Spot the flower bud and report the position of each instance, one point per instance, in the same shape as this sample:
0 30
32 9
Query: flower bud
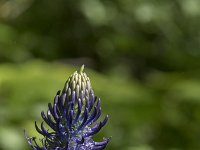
80 83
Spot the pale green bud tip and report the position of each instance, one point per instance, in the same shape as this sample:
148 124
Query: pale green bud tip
82 68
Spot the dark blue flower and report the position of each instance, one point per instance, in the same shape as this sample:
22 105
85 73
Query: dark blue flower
72 118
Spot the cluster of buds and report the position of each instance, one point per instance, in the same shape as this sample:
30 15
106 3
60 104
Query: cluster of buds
72 118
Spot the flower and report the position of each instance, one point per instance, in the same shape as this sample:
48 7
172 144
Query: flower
72 118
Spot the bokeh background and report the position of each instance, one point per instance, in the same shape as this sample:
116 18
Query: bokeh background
143 58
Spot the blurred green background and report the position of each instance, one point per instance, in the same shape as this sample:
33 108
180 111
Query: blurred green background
142 56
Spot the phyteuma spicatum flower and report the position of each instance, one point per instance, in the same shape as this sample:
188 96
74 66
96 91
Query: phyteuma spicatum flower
72 118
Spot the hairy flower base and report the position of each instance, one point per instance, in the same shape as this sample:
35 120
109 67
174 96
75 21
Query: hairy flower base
73 120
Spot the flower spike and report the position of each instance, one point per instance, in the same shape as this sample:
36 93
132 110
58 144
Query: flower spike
72 118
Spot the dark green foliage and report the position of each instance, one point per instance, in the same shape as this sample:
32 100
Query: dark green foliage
142 35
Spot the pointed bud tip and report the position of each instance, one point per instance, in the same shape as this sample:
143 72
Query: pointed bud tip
82 68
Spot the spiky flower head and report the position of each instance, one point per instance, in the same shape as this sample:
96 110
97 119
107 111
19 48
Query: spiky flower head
72 118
